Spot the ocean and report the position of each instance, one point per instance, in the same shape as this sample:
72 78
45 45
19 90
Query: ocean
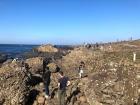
15 50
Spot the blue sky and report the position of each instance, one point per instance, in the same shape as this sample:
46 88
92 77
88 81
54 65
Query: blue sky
68 21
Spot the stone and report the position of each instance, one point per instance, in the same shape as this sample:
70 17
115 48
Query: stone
41 100
47 48
83 99
118 86
41 84
52 67
35 64
13 85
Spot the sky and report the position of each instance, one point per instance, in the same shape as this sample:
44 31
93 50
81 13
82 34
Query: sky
68 21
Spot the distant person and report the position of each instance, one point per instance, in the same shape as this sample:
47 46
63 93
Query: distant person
97 45
63 82
26 65
46 79
88 46
46 61
27 68
81 69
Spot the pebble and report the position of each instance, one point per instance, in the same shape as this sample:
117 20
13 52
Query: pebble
83 99
41 100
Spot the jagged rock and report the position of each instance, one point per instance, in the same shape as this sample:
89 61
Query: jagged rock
13 84
35 64
105 88
47 48
112 78
53 67
71 61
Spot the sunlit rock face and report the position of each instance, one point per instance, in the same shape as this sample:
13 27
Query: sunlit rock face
13 84
47 48
113 88
35 64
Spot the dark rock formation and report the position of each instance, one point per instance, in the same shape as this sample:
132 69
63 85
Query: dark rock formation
35 64
3 57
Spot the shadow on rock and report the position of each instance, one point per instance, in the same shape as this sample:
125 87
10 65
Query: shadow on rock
34 80
32 96
54 92
74 93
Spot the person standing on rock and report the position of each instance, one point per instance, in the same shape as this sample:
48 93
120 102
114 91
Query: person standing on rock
27 68
63 82
46 79
81 68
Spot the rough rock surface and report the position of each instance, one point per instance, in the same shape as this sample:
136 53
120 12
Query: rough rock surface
113 77
13 85
47 48
113 87
35 64
110 78
71 61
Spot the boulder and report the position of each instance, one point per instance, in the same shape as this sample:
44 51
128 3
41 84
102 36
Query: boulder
35 64
83 99
41 100
47 48
13 85
53 67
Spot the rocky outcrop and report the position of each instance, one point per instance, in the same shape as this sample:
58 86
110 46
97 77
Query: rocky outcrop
13 85
70 62
75 95
114 79
110 78
35 64
53 67
113 87
47 48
